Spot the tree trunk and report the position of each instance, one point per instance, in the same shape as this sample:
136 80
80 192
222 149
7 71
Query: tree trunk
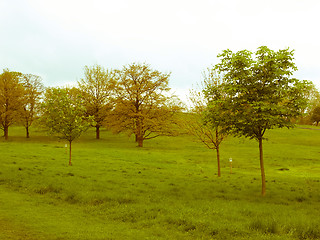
6 132
70 164
27 132
139 137
263 176
218 152
140 141
97 132
218 159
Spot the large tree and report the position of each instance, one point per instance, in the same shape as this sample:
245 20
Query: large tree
11 99
63 114
33 90
96 89
143 106
261 93
206 119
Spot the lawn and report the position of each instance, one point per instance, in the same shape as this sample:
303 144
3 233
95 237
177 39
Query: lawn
167 190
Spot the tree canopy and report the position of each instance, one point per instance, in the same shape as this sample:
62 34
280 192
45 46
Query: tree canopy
143 106
261 94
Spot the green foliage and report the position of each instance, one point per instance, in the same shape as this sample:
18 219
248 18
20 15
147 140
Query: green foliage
215 95
261 94
64 114
315 115
311 94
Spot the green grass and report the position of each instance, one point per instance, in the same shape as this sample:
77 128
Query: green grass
167 190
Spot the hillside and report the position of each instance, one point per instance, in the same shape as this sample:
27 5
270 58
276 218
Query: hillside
167 190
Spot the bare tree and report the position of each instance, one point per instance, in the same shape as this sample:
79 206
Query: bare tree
205 122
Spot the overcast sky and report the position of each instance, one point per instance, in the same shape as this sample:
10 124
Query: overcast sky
55 39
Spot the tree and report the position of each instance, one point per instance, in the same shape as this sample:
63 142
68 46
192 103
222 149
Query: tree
32 94
312 96
96 89
11 99
143 106
63 114
261 94
315 115
206 119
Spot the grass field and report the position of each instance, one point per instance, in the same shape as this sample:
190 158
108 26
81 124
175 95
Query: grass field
167 190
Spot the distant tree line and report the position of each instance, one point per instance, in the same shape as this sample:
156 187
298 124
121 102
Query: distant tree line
245 94
135 100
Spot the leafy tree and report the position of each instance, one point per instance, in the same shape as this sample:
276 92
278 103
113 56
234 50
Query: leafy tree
261 94
315 115
63 114
96 89
312 96
143 106
11 99
206 121
33 90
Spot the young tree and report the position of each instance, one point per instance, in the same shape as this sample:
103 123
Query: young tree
63 114
206 120
261 94
143 106
11 99
96 89
33 90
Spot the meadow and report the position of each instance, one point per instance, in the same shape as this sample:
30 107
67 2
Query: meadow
167 190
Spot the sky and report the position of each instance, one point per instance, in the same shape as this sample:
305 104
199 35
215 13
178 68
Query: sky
55 39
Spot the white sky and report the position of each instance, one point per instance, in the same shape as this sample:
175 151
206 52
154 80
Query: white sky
55 39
